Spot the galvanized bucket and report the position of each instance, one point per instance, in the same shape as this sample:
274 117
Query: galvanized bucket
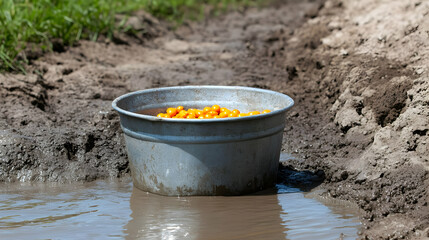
229 156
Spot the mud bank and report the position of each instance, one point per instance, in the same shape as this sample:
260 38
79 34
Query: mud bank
358 72
362 115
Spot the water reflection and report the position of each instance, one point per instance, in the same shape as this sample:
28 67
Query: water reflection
114 210
244 217
287 215
305 218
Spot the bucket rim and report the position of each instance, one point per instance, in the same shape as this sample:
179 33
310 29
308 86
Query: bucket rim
157 119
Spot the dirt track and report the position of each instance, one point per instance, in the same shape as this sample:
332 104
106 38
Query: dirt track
358 71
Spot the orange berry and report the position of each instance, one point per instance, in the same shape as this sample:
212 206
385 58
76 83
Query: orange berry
235 111
216 108
207 116
180 108
201 117
223 109
243 114
190 116
160 115
232 114
223 115
172 112
213 113
198 112
254 113
207 109
216 116
183 113
266 111
166 115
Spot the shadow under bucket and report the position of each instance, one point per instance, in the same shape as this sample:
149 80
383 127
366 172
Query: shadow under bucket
228 156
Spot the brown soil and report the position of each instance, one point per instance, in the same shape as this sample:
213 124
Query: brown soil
357 70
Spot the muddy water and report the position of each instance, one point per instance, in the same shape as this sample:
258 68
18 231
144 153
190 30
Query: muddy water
116 210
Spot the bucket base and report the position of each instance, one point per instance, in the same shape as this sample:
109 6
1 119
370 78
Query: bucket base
199 169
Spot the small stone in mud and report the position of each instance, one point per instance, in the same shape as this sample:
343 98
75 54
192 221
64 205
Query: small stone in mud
419 71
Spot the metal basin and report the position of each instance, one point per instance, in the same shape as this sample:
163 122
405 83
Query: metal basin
230 156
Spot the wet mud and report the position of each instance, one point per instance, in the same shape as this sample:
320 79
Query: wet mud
357 70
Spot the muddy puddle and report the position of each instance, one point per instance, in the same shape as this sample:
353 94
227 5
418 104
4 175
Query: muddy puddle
116 210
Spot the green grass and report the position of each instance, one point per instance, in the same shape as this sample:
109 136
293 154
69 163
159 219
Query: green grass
25 23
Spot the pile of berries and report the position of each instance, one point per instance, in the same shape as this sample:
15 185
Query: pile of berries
206 113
